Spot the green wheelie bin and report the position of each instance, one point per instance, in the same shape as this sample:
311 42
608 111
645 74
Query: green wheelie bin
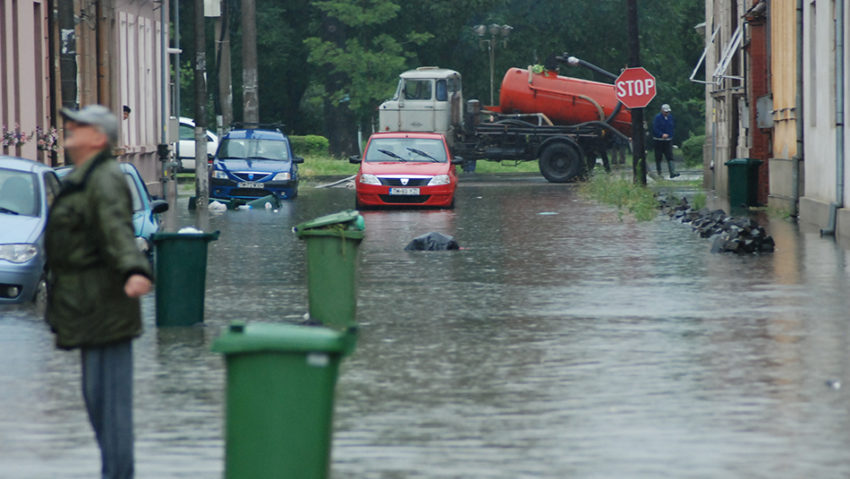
332 244
279 399
181 271
743 182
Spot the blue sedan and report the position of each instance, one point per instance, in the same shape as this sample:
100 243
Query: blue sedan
27 189
253 163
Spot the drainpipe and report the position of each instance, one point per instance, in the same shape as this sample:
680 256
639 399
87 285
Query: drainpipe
839 120
798 108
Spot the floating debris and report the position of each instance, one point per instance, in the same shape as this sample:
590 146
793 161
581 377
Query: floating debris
432 241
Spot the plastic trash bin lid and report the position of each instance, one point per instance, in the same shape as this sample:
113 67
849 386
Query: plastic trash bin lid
259 337
347 223
743 161
158 236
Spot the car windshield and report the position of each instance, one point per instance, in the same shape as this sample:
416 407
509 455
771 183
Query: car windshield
429 150
19 193
134 192
253 149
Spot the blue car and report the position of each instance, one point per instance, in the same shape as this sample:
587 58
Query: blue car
253 163
146 209
27 189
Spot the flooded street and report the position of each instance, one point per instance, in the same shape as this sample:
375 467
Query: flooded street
559 342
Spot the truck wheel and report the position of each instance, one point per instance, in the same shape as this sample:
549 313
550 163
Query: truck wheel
560 163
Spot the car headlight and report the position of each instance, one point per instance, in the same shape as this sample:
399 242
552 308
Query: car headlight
368 179
439 180
18 253
219 175
282 177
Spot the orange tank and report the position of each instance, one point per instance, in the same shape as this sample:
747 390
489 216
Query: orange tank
564 100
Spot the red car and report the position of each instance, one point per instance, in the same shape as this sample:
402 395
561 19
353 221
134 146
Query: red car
406 169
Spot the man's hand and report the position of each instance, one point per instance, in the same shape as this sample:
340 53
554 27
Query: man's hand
137 285
664 135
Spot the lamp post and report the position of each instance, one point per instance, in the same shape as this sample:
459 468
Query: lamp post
494 30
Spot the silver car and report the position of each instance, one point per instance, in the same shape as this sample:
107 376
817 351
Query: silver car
27 190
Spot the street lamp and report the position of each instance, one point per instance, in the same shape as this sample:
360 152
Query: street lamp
494 30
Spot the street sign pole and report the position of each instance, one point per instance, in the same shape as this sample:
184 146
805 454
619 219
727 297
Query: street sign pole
639 156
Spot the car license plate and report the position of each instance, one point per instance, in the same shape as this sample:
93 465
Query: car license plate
404 191
250 184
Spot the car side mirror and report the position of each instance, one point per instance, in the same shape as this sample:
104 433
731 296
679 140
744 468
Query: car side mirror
297 159
354 159
159 206
457 160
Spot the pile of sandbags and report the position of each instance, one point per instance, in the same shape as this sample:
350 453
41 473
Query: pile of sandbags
732 235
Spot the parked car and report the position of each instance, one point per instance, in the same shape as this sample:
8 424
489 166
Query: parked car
406 169
252 163
27 189
146 208
185 150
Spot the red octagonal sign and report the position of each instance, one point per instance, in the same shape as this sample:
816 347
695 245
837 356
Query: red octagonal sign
635 87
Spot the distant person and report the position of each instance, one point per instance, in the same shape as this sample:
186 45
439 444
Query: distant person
96 275
127 112
662 133
619 146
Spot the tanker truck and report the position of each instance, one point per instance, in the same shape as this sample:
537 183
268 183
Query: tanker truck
562 122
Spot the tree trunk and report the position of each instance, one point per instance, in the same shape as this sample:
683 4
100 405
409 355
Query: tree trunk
339 119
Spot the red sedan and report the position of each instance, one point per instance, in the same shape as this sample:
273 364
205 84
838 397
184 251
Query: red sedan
406 169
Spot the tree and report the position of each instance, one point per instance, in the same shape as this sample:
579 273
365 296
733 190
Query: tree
357 58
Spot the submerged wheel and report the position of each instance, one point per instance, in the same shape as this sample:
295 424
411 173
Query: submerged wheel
561 162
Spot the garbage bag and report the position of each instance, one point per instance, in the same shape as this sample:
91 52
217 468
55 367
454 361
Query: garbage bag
432 241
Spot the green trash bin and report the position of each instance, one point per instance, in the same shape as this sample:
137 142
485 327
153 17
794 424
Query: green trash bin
181 271
743 182
332 245
279 398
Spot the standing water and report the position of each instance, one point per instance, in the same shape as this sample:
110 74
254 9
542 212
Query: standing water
559 342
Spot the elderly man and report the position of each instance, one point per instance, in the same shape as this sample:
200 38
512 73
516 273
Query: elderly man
96 276
662 132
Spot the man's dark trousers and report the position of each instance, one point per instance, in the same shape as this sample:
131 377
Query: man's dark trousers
108 394
665 148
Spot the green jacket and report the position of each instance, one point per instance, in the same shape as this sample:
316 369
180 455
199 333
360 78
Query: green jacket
91 251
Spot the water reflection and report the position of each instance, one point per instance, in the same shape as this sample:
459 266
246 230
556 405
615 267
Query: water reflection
560 341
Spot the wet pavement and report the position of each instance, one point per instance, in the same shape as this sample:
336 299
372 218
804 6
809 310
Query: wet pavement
559 342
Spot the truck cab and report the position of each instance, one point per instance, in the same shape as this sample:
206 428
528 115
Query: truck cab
427 99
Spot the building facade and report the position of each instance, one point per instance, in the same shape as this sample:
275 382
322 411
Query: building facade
25 78
824 202
785 104
72 53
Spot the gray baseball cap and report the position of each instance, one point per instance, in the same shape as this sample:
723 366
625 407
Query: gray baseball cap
95 115
665 107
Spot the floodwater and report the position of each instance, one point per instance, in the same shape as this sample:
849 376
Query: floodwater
561 341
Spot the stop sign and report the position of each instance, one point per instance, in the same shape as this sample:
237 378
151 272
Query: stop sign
635 87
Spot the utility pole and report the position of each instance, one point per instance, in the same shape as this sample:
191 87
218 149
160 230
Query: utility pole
250 95
225 82
202 182
638 148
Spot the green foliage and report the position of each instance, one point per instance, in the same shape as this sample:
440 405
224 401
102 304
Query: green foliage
698 201
692 150
352 51
621 192
367 55
324 165
309 145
